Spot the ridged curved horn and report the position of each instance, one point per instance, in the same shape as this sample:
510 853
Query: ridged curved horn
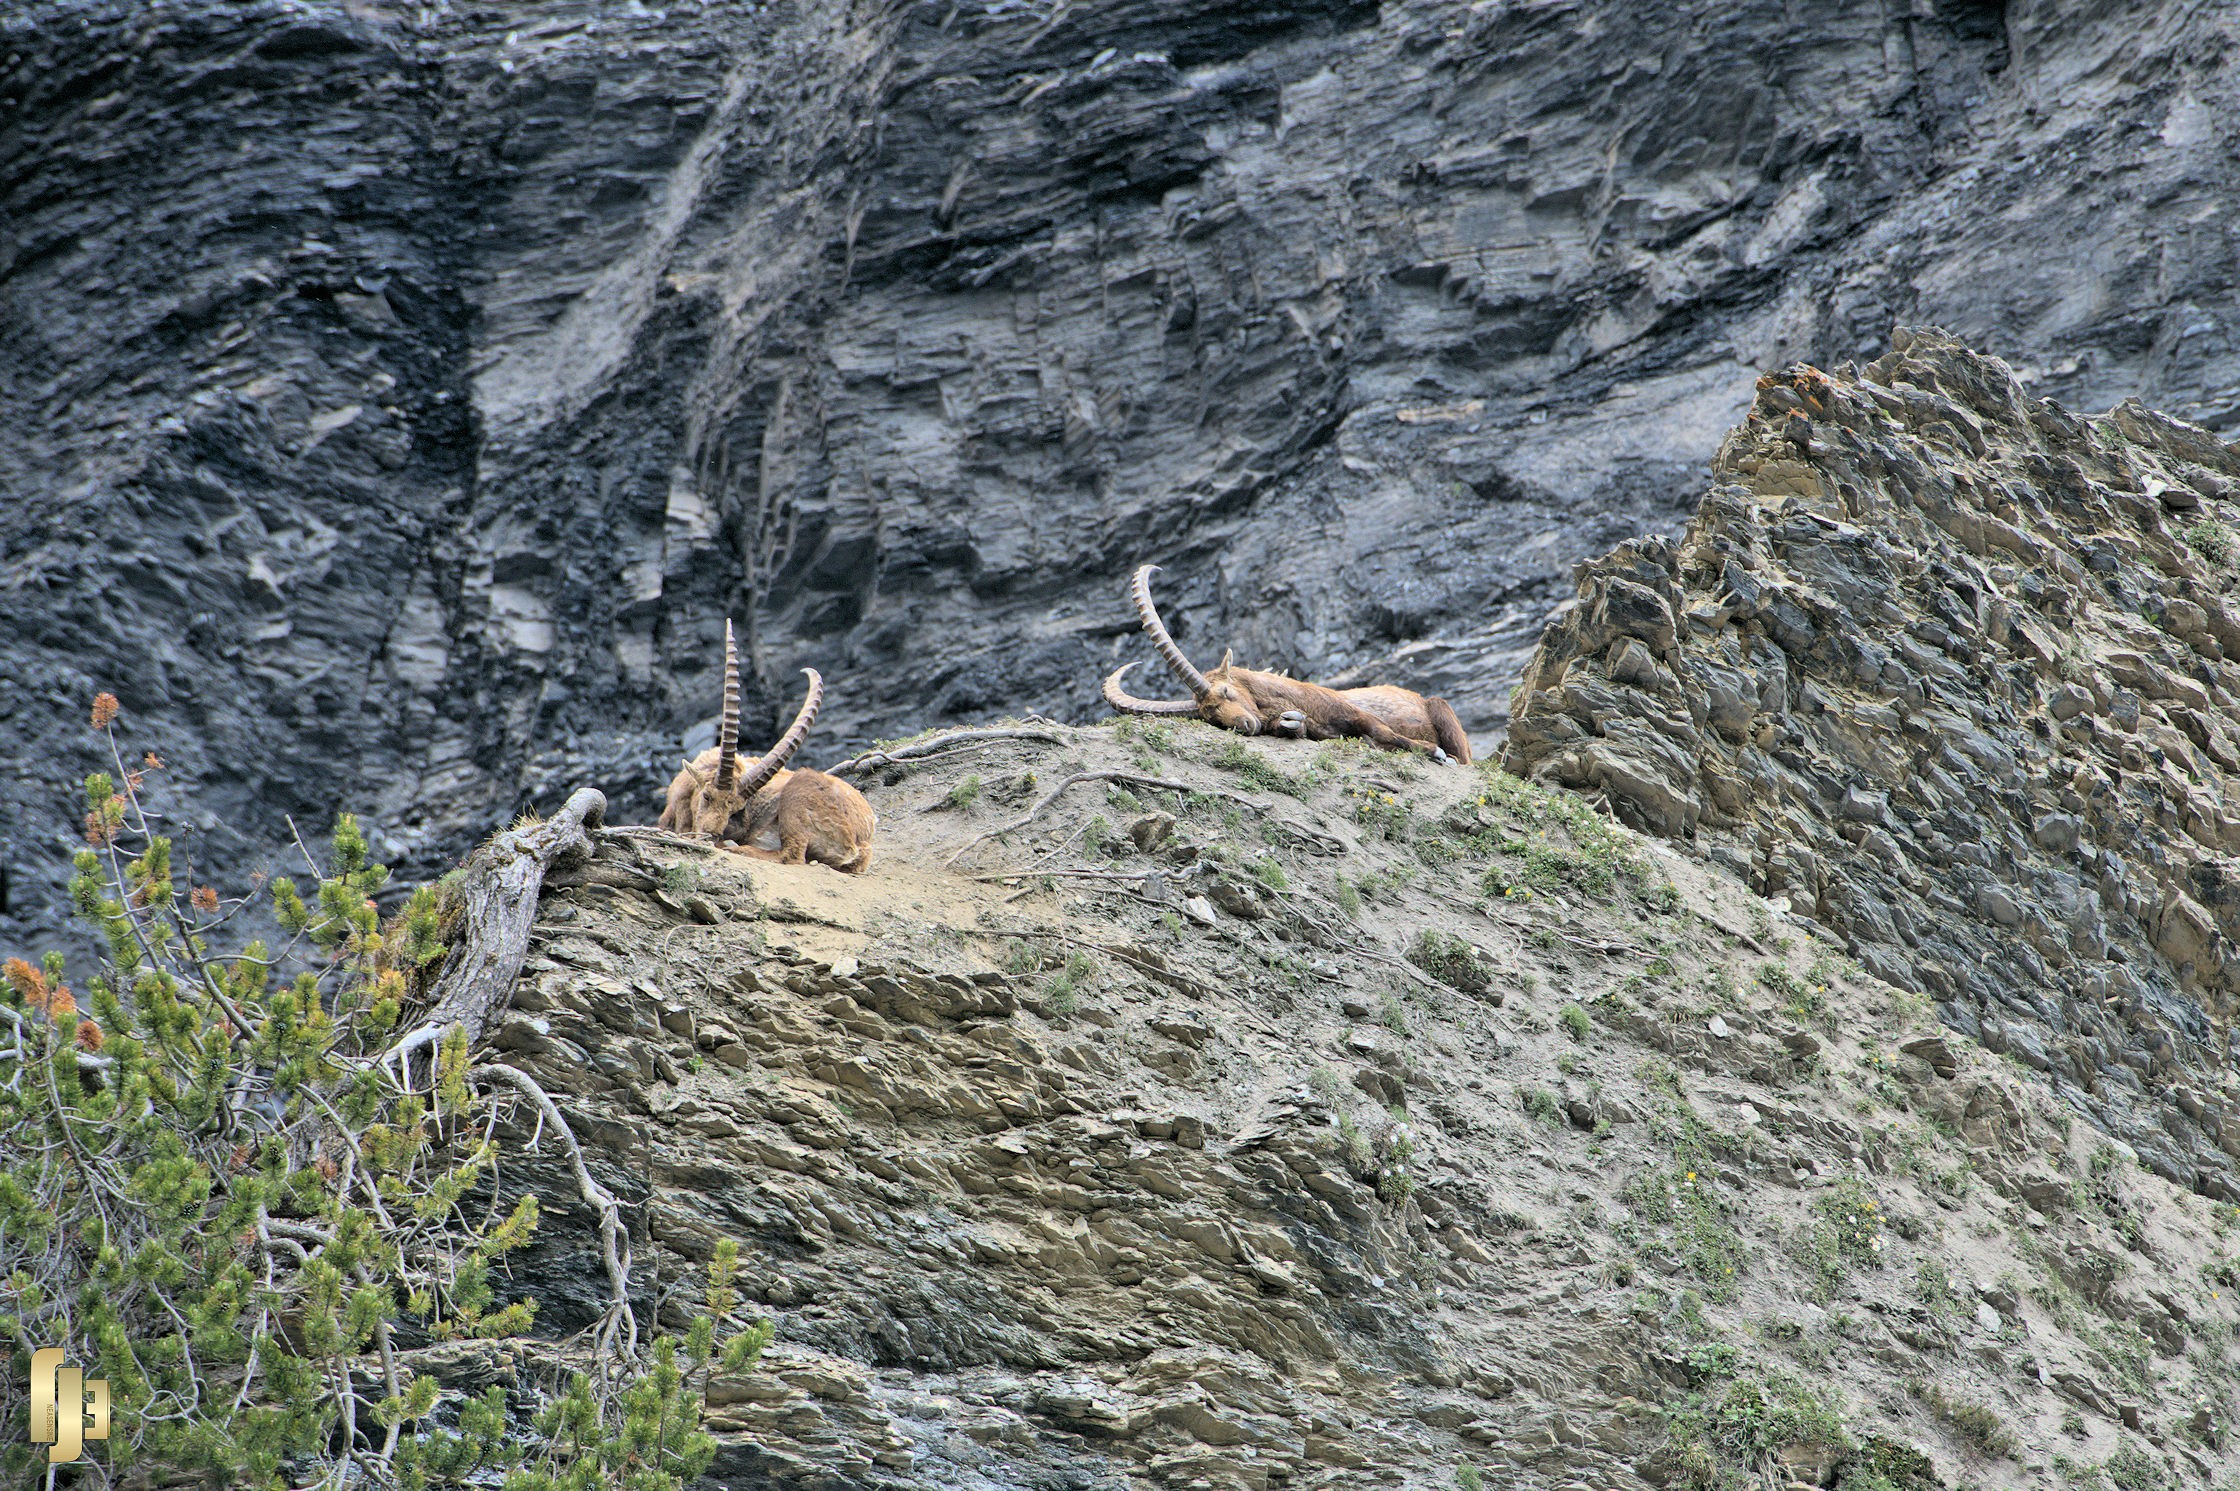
778 755
727 764
1127 703
1141 592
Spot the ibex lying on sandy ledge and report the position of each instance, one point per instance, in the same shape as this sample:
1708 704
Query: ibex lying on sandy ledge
1250 702
817 819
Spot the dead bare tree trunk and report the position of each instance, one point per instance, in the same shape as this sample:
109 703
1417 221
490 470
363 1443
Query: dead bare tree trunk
502 881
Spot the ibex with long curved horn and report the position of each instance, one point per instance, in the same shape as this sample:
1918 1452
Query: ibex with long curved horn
1251 702
706 795
817 818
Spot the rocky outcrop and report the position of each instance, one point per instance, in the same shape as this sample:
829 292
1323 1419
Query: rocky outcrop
400 393
1320 1120
1953 671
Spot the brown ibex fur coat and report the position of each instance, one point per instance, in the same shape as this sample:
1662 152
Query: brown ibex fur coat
1251 702
817 819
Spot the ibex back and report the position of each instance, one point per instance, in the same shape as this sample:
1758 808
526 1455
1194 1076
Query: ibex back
1251 702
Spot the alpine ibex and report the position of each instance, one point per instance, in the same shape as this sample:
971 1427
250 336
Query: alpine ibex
1251 702
817 819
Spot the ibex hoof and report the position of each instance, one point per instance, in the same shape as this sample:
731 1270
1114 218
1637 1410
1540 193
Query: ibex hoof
1441 756
1291 723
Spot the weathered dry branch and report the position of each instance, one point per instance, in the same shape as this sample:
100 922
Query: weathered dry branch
618 1323
1149 967
1058 791
646 834
939 745
1136 779
502 882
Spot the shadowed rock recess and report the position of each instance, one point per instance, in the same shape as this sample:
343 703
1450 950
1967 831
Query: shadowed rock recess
400 393
1953 671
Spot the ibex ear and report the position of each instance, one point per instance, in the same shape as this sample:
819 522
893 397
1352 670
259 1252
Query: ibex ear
1228 659
694 772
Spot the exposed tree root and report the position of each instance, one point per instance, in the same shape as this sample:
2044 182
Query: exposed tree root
618 1324
503 878
939 745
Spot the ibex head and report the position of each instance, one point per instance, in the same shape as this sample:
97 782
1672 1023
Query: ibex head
1217 698
718 796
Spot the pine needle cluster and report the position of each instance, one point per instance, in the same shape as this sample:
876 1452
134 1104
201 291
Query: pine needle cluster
215 1196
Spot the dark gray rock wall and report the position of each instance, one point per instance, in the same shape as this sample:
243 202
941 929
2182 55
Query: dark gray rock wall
399 396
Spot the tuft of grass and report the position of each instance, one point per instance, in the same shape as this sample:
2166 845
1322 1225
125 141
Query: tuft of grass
1805 1001
1385 884
1848 1235
964 793
1885 1465
1729 1431
1099 837
1270 874
1974 1422
1450 960
2132 1468
2211 539
1065 987
1556 843
1379 814
1576 1021
1689 1223
1661 896
1395 1182
1358 1151
1240 758
1932 1286
1540 1105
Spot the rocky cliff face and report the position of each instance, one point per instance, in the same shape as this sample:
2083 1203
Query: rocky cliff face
400 394
1951 670
1165 1110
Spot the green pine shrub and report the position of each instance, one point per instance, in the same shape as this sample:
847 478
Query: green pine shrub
215 1197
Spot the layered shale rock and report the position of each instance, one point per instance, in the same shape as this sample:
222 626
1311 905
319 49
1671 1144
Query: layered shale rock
1348 1124
401 393
1953 671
